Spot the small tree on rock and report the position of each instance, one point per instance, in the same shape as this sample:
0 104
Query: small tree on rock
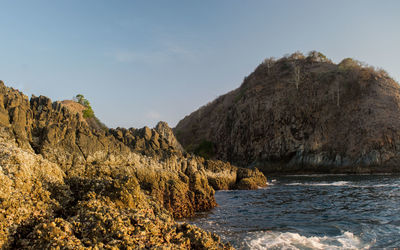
88 112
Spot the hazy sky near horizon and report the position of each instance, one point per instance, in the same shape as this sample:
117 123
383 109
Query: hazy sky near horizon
139 62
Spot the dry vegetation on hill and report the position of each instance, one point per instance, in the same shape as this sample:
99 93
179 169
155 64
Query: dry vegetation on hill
303 114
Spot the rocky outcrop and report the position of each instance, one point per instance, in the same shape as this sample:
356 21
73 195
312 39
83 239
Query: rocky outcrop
64 138
42 208
166 132
25 179
303 115
66 183
160 143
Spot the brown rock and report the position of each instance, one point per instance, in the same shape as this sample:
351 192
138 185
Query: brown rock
64 183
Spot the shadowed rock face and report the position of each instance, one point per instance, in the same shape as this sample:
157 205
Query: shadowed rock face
299 115
66 183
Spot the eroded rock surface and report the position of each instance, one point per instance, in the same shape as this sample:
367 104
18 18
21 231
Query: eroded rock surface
66 182
42 208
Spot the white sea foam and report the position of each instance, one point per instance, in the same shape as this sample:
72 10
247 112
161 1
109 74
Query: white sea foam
279 240
341 183
316 175
386 185
336 183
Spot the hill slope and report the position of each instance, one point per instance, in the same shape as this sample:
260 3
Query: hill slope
303 114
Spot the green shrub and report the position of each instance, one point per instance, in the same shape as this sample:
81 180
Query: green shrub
88 112
205 149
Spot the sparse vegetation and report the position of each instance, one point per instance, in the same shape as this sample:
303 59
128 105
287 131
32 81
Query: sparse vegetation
360 70
315 56
296 56
269 62
88 112
349 63
297 94
205 149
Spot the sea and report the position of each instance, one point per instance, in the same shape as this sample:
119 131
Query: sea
310 212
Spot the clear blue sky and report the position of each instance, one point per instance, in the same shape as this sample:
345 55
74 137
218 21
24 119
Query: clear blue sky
143 61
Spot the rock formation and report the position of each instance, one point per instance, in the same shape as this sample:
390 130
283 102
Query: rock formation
302 115
42 208
67 182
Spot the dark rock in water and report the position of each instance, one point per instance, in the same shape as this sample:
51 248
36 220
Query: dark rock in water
303 115
67 182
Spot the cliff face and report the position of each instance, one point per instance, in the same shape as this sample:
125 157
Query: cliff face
64 181
302 114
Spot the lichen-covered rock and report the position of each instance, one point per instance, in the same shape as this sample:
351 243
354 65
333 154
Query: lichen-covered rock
62 136
42 208
67 184
25 197
223 176
252 176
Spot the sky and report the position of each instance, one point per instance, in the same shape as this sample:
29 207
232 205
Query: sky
139 62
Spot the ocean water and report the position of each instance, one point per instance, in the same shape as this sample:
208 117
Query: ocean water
310 212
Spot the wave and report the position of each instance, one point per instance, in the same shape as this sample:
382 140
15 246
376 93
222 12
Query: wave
385 185
279 240
336 183
316 175
342 183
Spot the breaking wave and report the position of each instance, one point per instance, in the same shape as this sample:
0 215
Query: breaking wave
332 212
279 240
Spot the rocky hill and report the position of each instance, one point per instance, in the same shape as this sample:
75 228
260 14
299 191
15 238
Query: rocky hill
67 183
302 115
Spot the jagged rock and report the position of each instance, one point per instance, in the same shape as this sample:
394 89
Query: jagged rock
166 132
61 136
65 183
302 114
100 212
42 208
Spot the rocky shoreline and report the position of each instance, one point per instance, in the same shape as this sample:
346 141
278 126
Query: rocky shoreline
65 183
